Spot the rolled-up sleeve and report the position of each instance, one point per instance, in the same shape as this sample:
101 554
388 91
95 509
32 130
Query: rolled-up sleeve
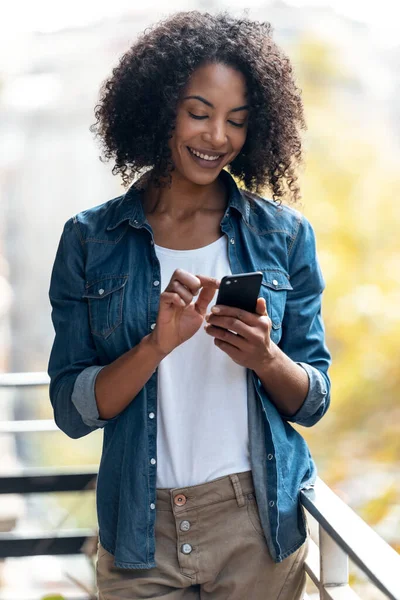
73 363
84 397
303 332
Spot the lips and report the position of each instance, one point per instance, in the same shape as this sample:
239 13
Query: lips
206 154
206 162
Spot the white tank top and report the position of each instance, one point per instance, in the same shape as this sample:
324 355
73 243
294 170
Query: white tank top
202 430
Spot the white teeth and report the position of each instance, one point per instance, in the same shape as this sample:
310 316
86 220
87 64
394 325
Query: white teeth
205 156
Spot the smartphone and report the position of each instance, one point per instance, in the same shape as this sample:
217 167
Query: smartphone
240 291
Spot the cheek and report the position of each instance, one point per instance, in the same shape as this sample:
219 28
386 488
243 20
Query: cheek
239 139
184 133
186 129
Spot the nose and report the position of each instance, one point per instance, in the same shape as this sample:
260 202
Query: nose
216 134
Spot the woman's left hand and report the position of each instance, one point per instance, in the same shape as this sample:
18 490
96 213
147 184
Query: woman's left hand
251 345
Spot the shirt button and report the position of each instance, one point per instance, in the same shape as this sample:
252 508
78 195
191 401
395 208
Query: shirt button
270 456
180 500
152 326
232 240
275 282
156 283
152 506
186 548
151 415
184 526
101 291
272 503
153 461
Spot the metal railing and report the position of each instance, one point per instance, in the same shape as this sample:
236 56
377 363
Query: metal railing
341 534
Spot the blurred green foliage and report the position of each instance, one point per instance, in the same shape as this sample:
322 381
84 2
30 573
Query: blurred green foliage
349 188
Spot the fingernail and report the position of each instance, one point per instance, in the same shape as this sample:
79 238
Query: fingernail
215 309
207 317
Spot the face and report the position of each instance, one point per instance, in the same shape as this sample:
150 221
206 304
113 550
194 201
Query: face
211 124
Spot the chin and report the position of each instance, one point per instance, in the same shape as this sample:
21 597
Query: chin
206 179
198 177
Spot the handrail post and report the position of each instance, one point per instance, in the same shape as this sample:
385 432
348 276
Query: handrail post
334 563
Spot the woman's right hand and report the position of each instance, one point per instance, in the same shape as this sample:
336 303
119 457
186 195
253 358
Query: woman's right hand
178 318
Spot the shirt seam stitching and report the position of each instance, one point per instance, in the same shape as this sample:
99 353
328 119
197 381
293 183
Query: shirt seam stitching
295 235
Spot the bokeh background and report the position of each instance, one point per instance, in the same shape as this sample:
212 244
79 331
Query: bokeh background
53 59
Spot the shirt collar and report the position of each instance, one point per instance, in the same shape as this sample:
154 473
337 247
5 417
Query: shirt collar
129 207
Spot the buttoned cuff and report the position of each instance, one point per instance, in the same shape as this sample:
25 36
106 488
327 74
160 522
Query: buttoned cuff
315 403
84 398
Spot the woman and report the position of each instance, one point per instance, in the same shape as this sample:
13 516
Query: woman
200 473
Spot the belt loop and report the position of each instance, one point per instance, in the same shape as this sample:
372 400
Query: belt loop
238 490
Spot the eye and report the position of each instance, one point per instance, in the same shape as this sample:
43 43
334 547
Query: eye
236 124
198 117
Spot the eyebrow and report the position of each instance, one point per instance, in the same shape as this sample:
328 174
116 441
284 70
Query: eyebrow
244 107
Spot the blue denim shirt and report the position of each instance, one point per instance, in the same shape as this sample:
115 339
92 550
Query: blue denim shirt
105 290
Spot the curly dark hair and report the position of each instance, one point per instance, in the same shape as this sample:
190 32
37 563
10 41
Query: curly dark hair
135 117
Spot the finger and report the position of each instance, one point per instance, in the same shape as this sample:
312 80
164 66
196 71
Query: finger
231 324
226 336
172 298
183 292
210 285
207 281
192 282
248 318
205 297
232 352
261 307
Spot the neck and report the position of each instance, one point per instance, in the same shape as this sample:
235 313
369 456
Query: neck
184 199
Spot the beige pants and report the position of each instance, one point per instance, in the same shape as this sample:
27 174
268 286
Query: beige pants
209 546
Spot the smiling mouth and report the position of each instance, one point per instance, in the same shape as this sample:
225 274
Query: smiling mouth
205 160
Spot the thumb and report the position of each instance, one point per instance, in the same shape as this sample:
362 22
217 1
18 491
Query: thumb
261 306
210 285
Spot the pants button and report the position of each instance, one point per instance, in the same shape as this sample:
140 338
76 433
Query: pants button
184 526
180 500
186 548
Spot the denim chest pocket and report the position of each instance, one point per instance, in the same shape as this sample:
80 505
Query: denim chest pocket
105 297
274 288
